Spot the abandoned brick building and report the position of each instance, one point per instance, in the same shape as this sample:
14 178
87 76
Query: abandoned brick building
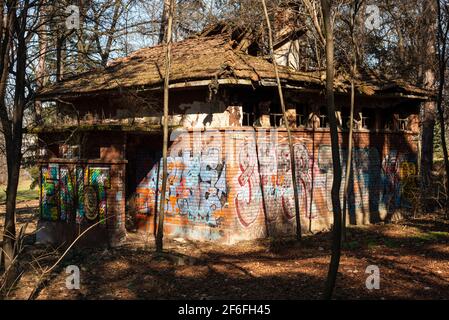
229 171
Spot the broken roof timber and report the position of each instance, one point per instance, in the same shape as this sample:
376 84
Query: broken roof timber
201 61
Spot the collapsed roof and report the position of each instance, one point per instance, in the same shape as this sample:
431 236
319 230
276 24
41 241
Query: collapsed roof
214 55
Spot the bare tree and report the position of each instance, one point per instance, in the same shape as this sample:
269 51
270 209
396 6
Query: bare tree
41 78
356 4
326 7
442 38
168 44
13 55
429 81
164 21
106 30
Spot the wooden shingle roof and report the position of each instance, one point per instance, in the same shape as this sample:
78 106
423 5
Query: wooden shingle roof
198 58
203 58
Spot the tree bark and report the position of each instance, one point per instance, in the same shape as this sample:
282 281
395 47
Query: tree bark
13 134
168 43
60 57
326 7
356 6
163 30
442 65
41 72
348 162
428 111
7 34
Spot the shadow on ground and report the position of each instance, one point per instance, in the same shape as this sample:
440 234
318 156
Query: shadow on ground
412 258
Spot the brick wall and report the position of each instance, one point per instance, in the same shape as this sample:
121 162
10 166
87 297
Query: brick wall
231 185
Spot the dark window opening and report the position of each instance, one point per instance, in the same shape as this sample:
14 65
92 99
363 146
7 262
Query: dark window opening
249 114
403 120
324 123
344 118
92 152
368 118
301 114
253 49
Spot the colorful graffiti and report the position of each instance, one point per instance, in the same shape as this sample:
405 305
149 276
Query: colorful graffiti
314 181
49 194
76 194
373 184
80 178
364 179
196 186
253 183
397 171
277 180
66 193
99 181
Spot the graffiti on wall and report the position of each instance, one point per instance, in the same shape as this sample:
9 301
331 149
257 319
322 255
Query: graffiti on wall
247 199
364 178
49 192
365 169
398 170
277 180
77 194
268 183
95 193
256 181
67 194
373 184
196 186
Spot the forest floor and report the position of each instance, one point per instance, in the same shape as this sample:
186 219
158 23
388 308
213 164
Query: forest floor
412 256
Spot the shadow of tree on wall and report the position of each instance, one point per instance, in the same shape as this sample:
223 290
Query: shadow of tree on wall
382 161
391 160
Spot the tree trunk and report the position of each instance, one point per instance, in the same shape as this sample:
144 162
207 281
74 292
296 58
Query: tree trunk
428 108
443 135
6 35
60 57
41 72
168 42
13 140
287 125
163 30
9 234
82 53
326 6
348 162
356 6
442 65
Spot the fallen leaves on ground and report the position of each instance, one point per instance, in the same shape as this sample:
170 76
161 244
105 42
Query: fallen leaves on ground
413 258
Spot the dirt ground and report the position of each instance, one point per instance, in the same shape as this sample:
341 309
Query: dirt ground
412 256
27 216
